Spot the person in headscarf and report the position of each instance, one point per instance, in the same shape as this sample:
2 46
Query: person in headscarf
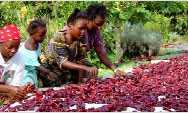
11 66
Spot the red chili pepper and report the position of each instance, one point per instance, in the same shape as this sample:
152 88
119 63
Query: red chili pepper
38 96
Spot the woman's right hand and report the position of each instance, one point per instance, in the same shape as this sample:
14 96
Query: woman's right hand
17 92
93 71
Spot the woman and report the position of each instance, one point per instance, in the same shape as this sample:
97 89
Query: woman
96 15
66 51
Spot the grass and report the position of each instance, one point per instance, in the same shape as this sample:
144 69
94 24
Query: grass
166 53
122 67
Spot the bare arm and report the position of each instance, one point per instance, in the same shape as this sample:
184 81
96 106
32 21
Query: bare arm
43 69
71 65
16 92
100 50
105 60
4 88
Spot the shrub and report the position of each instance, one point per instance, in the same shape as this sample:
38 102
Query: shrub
174 37
137 41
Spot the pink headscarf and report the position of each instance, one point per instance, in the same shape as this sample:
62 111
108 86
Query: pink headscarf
9 32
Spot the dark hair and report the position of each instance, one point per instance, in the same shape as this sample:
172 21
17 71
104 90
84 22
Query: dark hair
76 14
96 9
31 29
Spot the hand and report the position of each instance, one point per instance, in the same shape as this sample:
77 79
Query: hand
93 71
119 73
17 92
29 88
52 75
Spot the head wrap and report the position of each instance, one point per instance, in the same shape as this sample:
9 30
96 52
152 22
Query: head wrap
9 32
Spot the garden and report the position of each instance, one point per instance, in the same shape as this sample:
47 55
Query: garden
145 39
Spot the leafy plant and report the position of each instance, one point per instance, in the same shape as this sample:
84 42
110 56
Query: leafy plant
161 17
159 24
137 41
182 25
174 37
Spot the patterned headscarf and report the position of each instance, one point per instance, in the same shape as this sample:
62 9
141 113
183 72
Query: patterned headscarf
9 32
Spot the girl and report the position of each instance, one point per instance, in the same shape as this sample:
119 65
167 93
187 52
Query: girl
11 65
67 50
31 51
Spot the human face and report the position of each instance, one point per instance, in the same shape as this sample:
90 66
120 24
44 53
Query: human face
77 29
9 48
96 24
40 34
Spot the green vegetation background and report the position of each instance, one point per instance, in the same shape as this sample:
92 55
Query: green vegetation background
168 18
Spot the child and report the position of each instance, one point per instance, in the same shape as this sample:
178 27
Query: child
11 65
31 51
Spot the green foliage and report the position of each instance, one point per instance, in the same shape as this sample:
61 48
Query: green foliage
176 11
9 11
174 37
167 8
137 41
164 17
159 24
182 25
